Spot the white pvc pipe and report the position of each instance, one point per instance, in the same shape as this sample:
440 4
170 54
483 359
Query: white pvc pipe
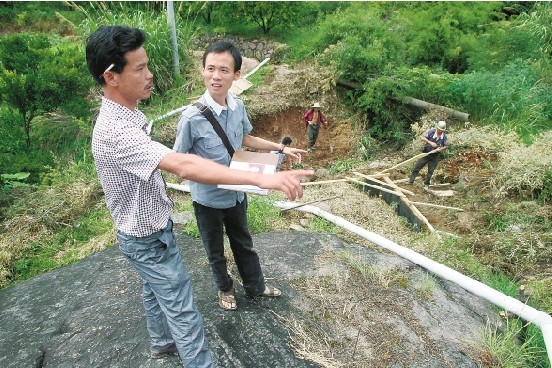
256 68
181 187
540 319
167 115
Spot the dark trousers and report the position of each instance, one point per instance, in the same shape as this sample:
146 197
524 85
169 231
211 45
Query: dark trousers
312 135
211 223
431 161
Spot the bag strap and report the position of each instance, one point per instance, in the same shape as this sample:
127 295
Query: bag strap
206 111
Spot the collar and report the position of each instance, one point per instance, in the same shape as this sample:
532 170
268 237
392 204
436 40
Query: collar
230 100
115 107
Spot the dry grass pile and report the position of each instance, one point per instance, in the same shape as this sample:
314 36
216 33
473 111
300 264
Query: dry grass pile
357 207
35 219
298 87
522 169
487 139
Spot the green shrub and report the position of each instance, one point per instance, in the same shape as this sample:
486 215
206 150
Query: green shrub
37 76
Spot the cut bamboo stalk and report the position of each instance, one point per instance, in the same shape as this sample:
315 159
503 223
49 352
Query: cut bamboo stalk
391 183
399 194
418 214
370 177
376 175
409 160
440 193
436 206
323 182
448 234
311 202
400 180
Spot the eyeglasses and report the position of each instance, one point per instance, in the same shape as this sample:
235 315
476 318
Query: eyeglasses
108 69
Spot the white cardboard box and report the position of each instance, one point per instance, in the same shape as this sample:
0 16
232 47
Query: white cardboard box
264 163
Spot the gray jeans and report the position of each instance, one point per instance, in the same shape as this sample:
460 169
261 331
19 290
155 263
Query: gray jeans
171 315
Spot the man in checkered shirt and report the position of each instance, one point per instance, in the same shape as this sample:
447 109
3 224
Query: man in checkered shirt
129 167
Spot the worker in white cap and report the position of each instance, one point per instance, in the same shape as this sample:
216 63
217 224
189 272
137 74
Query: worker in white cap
435 141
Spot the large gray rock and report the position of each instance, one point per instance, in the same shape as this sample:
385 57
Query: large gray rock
89 314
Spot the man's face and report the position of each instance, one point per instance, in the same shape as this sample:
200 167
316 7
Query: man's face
218 74
135 82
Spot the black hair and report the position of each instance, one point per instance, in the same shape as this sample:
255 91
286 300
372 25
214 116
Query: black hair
286 140
108 45
223 46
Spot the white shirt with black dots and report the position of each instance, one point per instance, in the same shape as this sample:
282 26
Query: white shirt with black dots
126 161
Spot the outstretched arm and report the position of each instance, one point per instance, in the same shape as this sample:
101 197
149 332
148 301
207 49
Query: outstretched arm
263 144
195 168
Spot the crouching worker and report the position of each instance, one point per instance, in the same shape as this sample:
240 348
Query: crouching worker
434 139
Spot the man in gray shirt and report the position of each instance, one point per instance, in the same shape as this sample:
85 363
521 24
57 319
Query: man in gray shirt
219 210
129 167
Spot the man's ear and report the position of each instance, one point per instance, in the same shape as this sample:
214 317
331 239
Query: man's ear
110 78
237 75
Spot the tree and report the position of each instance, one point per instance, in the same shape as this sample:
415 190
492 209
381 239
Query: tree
269 14
37 77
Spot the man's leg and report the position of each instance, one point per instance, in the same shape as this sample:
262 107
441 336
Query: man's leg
311 136
419 165
156 322
431 166
314 135
157 259
210 225
246 258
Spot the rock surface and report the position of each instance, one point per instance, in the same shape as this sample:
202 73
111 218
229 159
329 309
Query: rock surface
89 314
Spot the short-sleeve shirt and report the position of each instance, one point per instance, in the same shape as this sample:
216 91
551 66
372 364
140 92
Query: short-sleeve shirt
196 135
126 161
432 136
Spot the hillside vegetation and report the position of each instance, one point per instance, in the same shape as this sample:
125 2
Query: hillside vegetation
489 59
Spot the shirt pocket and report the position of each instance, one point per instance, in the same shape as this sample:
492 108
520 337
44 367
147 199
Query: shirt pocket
238 135
210 143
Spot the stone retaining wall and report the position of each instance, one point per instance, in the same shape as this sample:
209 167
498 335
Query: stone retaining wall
257 49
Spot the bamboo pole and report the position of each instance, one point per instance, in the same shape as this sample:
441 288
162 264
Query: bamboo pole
387 181
398 194
418 214
368 177
436 206
376 175
400 180
391 183
409 160
323 182
311 202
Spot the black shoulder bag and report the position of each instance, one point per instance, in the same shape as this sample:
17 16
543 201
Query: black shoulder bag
216 126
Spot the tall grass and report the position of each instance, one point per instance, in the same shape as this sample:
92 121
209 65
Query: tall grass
57 224
514 98
154 22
